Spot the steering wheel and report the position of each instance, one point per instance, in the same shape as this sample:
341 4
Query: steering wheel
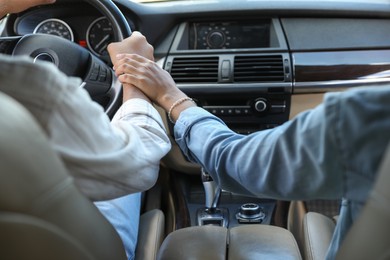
74 60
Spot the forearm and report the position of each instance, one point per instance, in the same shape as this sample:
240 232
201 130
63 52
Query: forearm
109 159
279 163
142 115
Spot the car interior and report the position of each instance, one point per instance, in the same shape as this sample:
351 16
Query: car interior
255 64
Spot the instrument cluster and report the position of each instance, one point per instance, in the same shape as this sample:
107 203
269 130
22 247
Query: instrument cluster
80 24
98 35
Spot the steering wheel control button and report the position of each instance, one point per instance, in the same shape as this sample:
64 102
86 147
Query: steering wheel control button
98 79
103 75
250 213
95 72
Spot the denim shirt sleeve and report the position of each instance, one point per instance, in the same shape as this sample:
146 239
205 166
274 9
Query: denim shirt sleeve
292 161
308 157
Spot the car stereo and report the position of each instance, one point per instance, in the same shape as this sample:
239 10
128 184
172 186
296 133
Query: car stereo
229 35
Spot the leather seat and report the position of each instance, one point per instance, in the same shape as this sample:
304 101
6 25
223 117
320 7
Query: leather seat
253 241
318 231
151 234
367 239
42 214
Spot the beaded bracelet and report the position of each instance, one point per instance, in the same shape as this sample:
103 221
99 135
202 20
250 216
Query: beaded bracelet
175 104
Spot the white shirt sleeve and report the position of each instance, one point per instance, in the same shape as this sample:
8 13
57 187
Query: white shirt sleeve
107 159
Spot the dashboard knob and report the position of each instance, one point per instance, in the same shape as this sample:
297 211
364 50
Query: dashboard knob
216 39
250 210
250 213
261 105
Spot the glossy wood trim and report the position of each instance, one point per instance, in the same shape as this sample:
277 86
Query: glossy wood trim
341 66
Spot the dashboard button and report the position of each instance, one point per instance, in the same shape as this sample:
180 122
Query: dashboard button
225 71
261 105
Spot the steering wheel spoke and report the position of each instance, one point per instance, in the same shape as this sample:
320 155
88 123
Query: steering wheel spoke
7 44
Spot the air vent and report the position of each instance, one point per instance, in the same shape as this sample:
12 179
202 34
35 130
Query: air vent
195 70
267 68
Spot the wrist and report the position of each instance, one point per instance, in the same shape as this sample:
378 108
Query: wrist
178 106
130 92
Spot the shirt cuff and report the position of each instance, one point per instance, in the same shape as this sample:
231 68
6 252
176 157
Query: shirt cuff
187 119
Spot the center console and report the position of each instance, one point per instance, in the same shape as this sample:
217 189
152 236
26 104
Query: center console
228 213
240 71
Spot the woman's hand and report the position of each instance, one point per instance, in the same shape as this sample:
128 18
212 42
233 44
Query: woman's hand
146 75
152 80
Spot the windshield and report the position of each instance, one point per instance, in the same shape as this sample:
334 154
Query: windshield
351 1
147 1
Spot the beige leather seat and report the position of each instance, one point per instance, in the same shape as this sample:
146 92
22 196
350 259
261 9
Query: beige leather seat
42 214
369 237
312 230
249 242
317 233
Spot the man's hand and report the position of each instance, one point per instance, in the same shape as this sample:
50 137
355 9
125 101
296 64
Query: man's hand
16 6
138 44
135 44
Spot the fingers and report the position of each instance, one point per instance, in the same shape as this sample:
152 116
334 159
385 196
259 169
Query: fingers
141 73
132 65
134 69
131 59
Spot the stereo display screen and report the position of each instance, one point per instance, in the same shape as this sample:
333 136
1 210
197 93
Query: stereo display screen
229 35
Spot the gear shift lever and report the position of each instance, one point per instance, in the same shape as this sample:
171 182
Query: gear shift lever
211 214
210 188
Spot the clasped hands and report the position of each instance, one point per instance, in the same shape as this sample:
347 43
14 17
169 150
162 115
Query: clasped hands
141 77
